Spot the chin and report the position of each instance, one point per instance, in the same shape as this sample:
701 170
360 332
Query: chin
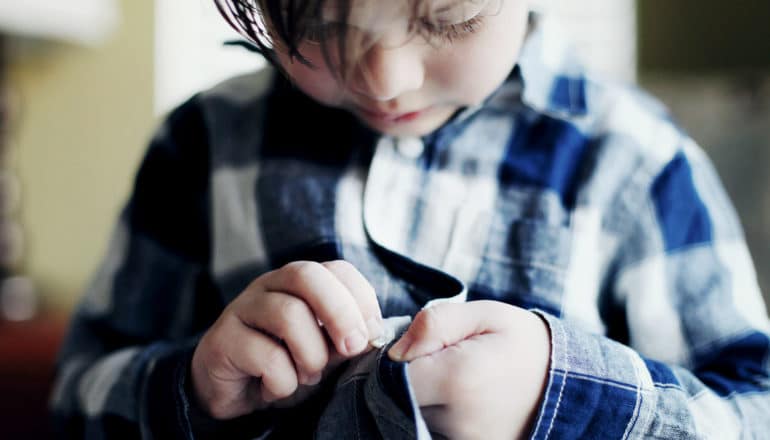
415 128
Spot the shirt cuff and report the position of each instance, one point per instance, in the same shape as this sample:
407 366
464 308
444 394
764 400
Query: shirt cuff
171 411
594 386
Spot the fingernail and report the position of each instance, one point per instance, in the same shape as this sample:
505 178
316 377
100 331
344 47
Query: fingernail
356 342
399 349
374 327
309 379
314 379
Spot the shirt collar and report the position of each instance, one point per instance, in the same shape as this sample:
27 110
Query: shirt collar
552 75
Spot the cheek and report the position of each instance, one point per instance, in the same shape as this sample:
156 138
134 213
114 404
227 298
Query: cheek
316 82
474 68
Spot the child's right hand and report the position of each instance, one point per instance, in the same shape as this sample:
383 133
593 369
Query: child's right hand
268 341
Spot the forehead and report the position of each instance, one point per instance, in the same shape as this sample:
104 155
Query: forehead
381 10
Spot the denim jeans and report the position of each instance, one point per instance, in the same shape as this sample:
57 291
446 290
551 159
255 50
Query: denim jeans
373 399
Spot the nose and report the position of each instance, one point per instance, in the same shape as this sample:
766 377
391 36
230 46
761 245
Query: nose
385 73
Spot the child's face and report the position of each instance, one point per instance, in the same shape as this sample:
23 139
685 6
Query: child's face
406 86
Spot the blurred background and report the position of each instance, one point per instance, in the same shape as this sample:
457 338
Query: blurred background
82 87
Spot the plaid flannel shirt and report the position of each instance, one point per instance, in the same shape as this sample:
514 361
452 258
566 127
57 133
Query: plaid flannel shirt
561 193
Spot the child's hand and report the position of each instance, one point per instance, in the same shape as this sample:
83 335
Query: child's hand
283 331
478 369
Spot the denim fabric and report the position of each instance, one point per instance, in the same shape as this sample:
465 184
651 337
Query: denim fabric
373 400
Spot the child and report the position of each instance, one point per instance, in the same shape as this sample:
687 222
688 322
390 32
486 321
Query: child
412 150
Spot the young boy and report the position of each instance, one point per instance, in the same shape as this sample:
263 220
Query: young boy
407 151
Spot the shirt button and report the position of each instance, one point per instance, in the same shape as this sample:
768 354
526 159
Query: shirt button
410 147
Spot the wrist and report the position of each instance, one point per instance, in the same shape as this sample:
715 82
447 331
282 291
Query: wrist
204 426
541 360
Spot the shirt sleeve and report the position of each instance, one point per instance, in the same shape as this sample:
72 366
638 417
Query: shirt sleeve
691 357
122 371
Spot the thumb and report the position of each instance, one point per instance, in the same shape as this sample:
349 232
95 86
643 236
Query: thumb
446 324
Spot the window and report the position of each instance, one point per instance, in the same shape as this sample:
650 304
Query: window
189 54
604 32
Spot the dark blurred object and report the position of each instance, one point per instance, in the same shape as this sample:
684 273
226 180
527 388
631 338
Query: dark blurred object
28 341
699 36
18 299
27 352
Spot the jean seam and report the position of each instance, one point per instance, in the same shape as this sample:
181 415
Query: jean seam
353 378
381 386
357 426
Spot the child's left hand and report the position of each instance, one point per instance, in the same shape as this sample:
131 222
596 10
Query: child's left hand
478 369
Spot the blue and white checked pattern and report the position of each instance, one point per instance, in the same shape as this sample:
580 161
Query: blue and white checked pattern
561 194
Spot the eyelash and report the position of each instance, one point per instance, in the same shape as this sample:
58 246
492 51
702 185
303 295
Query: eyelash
449 33
446 33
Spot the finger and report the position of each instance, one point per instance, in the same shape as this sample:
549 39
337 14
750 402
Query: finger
436 419
429 377
290 319
304 392
329 299
362 292
453 423
260 356
447 376
445 324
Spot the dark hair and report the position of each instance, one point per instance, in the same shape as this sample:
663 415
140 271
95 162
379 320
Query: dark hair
285 23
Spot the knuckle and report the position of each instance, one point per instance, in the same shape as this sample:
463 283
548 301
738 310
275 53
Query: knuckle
344 269
214 345
292 310
339 266
283 391
278 374
425 323
297 271
213 354
317 364
369 294
371 308
275 361
347 318
319 360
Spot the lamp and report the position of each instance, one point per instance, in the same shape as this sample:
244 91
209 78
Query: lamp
87 22
78 21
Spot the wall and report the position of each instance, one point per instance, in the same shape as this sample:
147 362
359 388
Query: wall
189 51
704 35
84 118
